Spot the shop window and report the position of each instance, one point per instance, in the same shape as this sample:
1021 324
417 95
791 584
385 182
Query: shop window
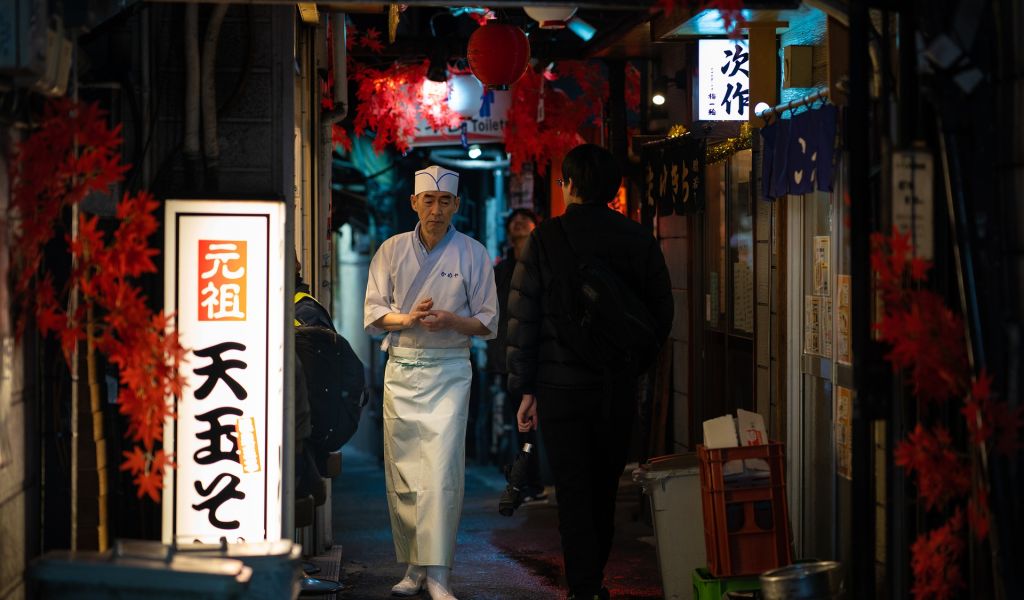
726 377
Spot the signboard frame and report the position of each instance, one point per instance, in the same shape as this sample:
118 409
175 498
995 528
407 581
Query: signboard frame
233 369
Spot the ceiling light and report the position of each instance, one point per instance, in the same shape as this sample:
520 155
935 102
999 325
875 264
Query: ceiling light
585 31
474 152
661 83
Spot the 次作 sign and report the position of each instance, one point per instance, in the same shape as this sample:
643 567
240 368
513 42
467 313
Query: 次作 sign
723 80
224 280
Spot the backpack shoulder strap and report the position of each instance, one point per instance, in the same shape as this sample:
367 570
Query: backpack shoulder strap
299 296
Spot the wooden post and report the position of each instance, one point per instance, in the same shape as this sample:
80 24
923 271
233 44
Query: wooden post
764 58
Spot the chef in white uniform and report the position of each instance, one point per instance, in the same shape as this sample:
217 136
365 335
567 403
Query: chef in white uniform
432 289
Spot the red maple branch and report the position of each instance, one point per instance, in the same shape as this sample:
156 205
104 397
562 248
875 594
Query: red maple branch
927 342
72 154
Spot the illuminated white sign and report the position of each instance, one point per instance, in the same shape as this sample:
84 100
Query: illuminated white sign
224 280
485 125
723 82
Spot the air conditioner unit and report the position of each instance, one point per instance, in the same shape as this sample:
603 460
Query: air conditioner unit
23 38
35 52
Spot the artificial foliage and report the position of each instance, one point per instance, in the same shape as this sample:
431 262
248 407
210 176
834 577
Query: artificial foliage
71 154
543 122
729 146
529 139
927 343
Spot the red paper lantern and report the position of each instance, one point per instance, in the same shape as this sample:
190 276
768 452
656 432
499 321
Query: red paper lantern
498 54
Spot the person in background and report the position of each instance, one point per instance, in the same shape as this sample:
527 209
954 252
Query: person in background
308 312
519 224
585 412
432 290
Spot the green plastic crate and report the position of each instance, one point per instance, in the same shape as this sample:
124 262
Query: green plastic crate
706 587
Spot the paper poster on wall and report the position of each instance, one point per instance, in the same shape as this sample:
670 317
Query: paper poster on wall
822 255
812 325
825 314
912 199
843 351
842 415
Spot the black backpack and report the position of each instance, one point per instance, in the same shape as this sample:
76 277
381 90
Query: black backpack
596 314
335 384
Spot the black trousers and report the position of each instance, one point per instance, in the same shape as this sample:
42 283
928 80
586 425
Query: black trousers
586 433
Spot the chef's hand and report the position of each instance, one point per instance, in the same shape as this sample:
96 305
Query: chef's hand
526 418
437 320
420 312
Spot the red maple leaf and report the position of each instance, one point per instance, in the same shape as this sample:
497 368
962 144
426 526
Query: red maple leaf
371 41
941 474
935 561
919 269
339 136
978 514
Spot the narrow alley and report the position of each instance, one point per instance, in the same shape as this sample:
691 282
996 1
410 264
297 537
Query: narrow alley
497 558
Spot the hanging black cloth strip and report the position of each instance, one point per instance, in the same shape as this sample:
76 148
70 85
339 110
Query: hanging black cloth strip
674 175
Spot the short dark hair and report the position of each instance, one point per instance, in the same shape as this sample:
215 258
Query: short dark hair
594 173
529 214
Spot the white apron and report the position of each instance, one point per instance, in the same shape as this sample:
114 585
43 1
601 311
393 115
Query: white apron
426 405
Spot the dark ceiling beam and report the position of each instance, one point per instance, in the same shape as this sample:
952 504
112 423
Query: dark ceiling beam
418 47
341 6
614 34
665 23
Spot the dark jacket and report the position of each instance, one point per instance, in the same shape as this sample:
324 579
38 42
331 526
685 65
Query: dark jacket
536 358
308 311
496 362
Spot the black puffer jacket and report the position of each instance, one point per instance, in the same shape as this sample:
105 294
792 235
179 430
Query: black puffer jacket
496 361
535 356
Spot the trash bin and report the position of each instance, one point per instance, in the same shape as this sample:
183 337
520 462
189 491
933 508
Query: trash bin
822 580
157 574
673 484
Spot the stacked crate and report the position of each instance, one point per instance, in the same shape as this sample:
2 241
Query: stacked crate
746 523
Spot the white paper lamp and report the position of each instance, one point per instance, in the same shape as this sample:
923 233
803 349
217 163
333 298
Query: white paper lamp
550 17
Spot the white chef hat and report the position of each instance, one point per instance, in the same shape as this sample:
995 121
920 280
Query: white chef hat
437 179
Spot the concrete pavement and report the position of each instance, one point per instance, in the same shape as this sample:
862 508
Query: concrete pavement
497 558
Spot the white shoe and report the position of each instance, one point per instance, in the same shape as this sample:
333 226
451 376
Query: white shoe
412 583
437 584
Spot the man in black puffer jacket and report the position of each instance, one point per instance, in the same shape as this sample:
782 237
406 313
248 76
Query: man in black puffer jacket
587 414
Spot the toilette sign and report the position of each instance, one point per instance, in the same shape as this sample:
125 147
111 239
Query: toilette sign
723 81
224 280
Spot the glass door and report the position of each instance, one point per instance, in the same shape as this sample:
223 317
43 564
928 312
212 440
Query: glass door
727 376
820 376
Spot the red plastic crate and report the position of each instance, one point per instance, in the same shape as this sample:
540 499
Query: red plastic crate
746 524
